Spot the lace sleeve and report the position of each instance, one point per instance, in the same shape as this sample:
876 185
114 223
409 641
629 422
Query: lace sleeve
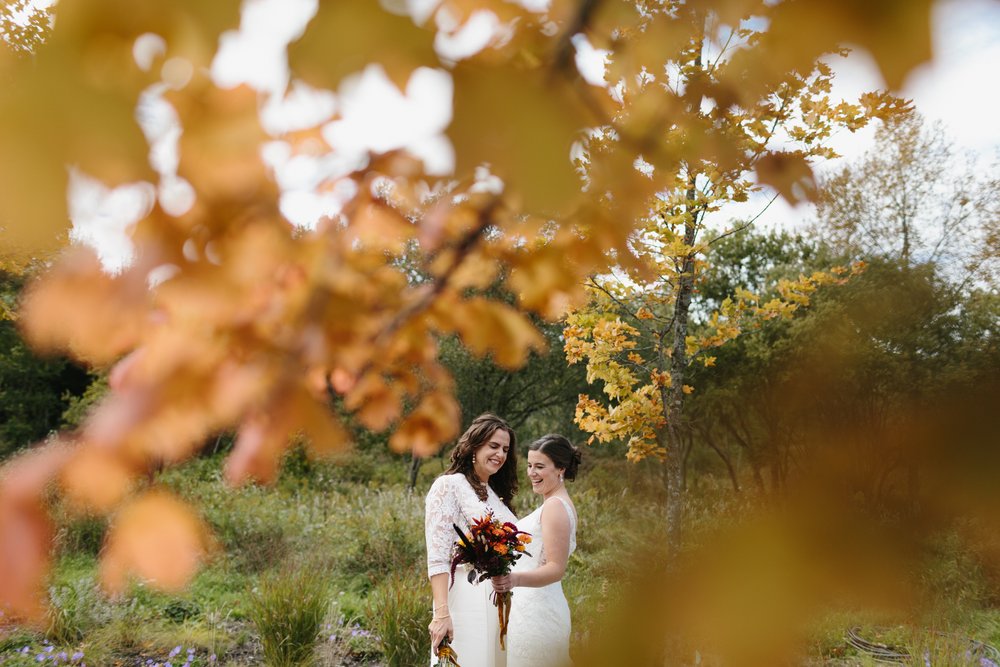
441 510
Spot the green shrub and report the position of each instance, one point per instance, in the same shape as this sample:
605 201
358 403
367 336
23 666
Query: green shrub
397 609
75 609
83 535
125 631
953 578
382 534
288 610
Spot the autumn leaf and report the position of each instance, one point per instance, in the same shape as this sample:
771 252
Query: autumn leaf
434 421
346 36
488 327
219 147
95 480
522 124
158 539
789 174
80 309
25 548
26 530
377 403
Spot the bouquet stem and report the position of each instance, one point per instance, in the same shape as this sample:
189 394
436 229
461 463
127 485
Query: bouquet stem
502 602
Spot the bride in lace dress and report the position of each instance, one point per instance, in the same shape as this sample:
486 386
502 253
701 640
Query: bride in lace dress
539 630
482 478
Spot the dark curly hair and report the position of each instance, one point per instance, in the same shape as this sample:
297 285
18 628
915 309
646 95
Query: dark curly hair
564 454
504 481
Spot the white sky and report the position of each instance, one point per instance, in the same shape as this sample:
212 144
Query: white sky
958 88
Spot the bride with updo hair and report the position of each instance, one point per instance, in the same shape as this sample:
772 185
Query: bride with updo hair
539 630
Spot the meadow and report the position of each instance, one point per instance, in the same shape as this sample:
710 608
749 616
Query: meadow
326 567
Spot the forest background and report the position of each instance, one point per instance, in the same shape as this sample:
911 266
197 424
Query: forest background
788 433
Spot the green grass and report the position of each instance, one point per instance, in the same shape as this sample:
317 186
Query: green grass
288 609
396 610
354 527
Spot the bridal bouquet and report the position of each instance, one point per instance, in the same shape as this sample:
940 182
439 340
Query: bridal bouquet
446 655
490 549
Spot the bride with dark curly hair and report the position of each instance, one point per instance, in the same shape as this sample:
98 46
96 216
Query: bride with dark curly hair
482 478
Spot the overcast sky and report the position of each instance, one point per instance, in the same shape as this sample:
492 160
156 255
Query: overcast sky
961 88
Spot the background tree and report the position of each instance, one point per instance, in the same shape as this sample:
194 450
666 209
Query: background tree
737 410
913 198
34 392
637 335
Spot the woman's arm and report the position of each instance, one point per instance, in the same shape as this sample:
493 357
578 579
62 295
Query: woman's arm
440 625
440 512
555 537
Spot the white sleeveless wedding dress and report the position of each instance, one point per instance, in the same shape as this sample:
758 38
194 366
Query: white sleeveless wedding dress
539 629
452 500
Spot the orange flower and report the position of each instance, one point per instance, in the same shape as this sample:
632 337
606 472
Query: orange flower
525 539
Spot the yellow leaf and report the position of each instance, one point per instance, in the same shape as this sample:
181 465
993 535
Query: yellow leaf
523 124
347 35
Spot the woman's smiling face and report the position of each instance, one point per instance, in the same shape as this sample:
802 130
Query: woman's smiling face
490 457
543 474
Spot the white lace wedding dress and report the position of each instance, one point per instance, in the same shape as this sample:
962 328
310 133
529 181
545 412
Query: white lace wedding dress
452 500
539 630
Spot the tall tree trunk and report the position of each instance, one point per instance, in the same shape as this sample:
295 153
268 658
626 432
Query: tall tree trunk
414 470
676 430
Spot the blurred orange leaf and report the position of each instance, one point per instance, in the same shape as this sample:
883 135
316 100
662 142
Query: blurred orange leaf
490 327
25 528
378 403
220 145
78 308
265 434
95 480
433 422
158 539
25 547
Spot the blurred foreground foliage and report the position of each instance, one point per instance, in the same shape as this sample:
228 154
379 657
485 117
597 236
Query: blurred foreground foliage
858 421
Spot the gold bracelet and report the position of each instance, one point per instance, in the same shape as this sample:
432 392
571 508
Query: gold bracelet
440 618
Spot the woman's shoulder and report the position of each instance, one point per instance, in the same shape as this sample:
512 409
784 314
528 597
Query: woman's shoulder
557 506
447 481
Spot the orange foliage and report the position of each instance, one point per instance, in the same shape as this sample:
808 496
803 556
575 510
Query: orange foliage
157 538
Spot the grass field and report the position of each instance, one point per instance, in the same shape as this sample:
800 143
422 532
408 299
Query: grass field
327 568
